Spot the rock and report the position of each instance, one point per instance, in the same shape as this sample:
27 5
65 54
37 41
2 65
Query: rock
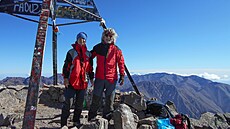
9 120
172 108
12 103
62 98
136 118
227 117
18 87
64 127
196 124
1 119
220 121
148 121
98 123
54 93
135 101
123 118
140 114
8 99
210 120
2 87
147 127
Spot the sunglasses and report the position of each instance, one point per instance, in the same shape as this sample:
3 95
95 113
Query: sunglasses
109 35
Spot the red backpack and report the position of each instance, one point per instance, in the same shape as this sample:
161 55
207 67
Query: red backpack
180 121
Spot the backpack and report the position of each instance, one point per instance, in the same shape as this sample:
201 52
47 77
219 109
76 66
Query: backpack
157 109
181 121
164 124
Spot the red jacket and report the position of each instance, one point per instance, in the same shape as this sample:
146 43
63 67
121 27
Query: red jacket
78 66
109 56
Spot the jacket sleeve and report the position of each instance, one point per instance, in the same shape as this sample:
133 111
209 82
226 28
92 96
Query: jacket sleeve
91 73
121 62
66 66
93 53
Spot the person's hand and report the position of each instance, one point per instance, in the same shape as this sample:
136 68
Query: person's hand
121 80
66 82
102 22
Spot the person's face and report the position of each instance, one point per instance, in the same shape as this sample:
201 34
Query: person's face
81 41
108 38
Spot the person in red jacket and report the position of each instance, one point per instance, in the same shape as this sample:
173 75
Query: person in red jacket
109 56
77 70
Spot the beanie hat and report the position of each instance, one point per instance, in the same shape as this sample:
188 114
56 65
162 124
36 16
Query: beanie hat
82 35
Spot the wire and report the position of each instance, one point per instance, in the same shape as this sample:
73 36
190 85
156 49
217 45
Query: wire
73 23
28 19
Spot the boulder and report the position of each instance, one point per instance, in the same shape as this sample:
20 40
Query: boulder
124 118
135 101
98 123
146 127
227 117
148 121
171 107
210 120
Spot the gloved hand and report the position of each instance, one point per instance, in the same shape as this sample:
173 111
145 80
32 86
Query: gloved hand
121 80
102 23
66 82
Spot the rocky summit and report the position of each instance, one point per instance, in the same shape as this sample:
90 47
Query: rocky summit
131 111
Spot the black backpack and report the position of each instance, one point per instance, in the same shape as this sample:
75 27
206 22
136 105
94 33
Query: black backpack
157 109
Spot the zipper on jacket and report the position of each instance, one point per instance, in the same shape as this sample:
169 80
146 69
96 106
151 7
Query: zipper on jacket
106 54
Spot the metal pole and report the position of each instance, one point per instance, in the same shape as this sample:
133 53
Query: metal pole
131 81
54 44
35 76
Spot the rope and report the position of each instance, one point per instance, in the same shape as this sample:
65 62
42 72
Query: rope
72 23
27 19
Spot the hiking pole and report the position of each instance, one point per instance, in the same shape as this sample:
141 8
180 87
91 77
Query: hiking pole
131 81
126 69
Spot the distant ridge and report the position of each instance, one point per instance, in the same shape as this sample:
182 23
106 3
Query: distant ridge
192 95
13 81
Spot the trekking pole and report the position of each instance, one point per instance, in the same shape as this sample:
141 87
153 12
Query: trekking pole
126 69
131 81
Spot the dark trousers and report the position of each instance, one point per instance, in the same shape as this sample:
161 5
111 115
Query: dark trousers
101 86
72 94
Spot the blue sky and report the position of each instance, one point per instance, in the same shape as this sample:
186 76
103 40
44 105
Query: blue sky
175 36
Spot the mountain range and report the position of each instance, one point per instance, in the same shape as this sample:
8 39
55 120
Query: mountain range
192 95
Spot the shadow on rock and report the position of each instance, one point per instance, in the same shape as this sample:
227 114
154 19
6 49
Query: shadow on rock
52 96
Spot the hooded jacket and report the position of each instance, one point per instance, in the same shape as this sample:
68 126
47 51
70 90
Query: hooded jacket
78 66
109 56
